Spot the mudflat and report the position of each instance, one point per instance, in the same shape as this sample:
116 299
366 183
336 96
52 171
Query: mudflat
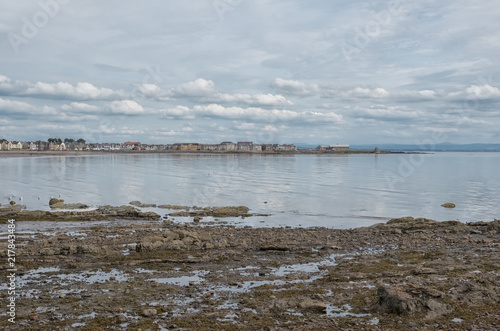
141 272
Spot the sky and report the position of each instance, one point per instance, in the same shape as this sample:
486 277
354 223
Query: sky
268 71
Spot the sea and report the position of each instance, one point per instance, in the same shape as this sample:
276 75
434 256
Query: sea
335 191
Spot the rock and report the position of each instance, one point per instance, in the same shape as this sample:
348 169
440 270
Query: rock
197 219
170 235
313 306
408 299
142 205
230 211
176 245
424 271
46 251
12 203
174 207
55 201
148 312
448 205
59 204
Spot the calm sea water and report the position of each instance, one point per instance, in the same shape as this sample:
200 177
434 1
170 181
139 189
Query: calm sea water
298 190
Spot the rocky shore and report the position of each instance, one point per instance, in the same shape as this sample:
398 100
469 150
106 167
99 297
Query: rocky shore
146 272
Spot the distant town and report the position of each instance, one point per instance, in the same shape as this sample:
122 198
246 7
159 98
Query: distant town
57 144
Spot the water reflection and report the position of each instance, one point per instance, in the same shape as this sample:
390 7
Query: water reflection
335 191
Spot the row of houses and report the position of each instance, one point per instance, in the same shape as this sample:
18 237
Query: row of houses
227 146
32 146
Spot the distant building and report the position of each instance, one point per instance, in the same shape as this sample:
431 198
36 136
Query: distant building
186 147
57 147
227 146
131 145
16 145
339 148
246 146
335 148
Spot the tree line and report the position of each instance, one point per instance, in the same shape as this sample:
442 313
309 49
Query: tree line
66 140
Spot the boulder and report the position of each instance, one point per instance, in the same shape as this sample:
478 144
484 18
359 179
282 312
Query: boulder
314 306
409 299
142 205
148 312
59 204
230 211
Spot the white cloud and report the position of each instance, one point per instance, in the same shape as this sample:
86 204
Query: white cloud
154 92
270 128
7 105
391 113
62 128
63 117
439 129
255 99
367 93
245 126
125 107
198 88
253 114
122 131
294 87
80 107
427 94
60 90
4 79
13 107
204 90
80 91
483 92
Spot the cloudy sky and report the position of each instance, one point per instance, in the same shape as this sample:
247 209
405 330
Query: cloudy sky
317 71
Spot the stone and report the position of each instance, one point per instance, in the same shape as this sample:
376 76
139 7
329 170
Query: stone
148 312
409 299
55 201
313 306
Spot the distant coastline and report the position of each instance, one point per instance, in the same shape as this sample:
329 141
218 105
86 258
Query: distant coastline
28 153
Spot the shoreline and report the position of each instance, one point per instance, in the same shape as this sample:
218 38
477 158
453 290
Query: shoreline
405 274
26 153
